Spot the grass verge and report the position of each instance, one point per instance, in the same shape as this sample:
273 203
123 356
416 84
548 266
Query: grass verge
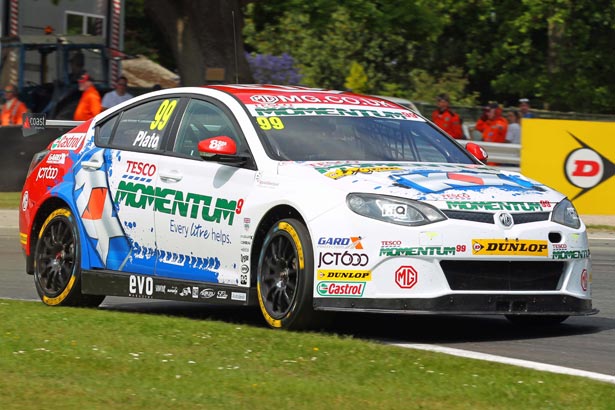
83 358
10 200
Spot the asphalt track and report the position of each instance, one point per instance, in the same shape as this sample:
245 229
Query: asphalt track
586 344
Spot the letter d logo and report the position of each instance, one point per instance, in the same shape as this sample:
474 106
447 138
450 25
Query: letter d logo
584 168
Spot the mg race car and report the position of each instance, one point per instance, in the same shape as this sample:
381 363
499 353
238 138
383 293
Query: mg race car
298 201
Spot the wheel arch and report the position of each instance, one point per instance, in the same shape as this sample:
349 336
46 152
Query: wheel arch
47 207
271 217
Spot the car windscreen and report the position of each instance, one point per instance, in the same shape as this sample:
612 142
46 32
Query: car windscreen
360 138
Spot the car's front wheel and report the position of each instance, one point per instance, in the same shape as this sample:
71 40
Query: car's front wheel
285 276
57 267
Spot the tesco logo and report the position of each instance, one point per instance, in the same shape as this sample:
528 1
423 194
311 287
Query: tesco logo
141 168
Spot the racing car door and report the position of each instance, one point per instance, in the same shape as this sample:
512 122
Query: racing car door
199 232
132 166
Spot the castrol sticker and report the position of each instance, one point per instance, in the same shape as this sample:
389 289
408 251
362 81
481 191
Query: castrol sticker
70 142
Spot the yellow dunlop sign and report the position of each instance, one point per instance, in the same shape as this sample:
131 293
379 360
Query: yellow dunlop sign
489 247
345 275
574 157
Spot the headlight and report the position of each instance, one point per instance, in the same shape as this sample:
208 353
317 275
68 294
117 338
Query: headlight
394 210
564 213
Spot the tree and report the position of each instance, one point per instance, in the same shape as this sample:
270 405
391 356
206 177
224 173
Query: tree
203 35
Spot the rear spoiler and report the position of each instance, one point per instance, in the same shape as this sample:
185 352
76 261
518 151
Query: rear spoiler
33 123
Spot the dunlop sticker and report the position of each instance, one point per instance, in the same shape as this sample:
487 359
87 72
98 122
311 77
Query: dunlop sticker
488 247
345 275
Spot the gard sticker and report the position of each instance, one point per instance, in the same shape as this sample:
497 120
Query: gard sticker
344 275
170 201
487 247
340 289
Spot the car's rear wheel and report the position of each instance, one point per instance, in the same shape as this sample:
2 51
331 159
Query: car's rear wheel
285 276
536 320
57 266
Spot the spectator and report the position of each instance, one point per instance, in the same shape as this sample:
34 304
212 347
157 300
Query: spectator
524 108
117 96
513 135
89 104
492 125
13 109
446 119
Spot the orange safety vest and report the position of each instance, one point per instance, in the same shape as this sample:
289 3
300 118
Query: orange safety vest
449 122
13 114
89 105
493 130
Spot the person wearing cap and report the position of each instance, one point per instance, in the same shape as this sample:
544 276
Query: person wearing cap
524 108
89 104
13 109
117 96
446 119
492 125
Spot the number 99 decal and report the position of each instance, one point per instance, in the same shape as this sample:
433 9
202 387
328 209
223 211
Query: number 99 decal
267 123
163 114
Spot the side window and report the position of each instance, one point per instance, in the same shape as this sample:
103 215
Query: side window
143 127
103 132
202 120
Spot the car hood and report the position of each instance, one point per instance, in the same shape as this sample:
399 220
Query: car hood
441 184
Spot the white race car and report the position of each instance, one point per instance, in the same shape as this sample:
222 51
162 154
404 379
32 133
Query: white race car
300 201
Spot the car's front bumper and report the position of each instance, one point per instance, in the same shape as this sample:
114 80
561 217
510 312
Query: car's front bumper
466 304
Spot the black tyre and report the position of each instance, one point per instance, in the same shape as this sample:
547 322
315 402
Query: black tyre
285 276
536 320
57 263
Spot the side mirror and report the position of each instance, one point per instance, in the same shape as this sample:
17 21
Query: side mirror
478 151
220 148
221 145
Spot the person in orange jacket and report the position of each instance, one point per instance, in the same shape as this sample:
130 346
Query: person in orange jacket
90 102
492 125
13 109
446 119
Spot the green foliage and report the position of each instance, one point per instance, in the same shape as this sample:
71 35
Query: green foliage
357 79
452 82
556 52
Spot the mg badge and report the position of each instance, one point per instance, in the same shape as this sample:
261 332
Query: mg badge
505 219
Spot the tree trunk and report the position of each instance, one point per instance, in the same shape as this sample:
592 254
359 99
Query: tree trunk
205 41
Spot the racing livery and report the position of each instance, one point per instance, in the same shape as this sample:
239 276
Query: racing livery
299 201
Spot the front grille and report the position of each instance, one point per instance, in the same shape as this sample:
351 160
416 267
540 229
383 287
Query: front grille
534 217
502 275
484 217
487 217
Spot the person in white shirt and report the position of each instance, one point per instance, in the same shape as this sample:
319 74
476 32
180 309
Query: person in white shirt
513 134
117 96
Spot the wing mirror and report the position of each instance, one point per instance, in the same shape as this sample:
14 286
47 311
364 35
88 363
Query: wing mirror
478 151
221 149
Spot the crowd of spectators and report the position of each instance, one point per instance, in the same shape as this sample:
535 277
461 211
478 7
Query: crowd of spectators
492 126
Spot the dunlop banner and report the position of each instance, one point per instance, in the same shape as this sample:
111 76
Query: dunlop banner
576 158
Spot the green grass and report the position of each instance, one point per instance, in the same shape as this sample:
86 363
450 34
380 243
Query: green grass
82 358
10 200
